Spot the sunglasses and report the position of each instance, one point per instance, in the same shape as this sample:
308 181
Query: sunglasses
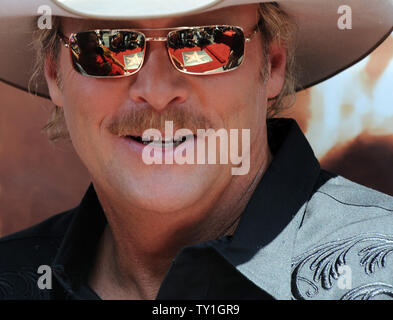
119 53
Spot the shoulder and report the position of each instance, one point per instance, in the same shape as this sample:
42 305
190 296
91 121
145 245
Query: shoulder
344 243
42 237
347 192
339 203
21 254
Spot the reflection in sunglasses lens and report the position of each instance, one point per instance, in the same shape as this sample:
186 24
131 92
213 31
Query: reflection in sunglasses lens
111 53
206 50
107 53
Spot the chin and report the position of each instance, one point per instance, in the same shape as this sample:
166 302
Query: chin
169 188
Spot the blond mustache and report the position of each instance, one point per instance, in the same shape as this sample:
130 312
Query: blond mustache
136 120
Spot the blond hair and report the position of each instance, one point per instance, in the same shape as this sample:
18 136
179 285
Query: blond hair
276 26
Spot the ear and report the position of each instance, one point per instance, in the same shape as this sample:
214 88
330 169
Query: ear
50 70
277 62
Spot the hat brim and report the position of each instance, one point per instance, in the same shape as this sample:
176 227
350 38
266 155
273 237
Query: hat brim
323 49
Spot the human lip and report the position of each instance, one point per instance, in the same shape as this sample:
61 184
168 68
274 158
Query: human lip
160 145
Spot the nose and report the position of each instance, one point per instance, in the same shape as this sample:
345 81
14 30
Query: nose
158 83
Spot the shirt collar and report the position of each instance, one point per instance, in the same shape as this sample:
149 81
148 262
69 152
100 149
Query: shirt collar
262 245
78 248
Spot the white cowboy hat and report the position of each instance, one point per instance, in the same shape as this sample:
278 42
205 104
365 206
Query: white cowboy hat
323 48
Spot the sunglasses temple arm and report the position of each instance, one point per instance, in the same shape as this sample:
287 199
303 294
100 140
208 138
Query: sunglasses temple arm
64 39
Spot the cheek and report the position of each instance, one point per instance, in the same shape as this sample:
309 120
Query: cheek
87 103
84 113
81 110
238 98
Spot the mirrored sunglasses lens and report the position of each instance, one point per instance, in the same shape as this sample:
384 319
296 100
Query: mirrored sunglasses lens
206 50
107 53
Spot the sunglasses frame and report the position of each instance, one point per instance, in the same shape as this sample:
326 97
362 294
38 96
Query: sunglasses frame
66 41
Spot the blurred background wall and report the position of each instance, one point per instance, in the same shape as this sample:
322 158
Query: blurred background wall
347 119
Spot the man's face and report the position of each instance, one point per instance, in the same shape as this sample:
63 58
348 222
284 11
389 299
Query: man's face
232 100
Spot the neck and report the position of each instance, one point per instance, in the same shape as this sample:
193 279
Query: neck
136 248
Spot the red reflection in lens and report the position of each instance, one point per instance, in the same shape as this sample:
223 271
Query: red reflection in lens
130 60
197 60
91 57
206 50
